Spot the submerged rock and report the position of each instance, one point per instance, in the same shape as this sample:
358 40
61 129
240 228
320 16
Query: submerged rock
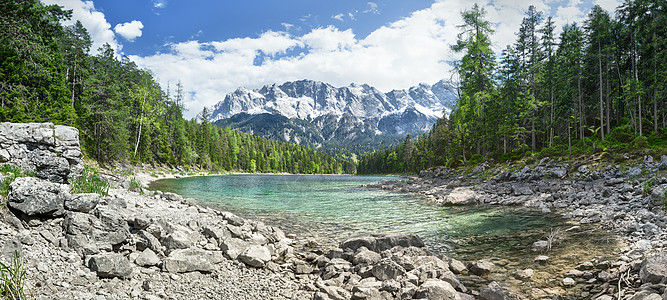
381 242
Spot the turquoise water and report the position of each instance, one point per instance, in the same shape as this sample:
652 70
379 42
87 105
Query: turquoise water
332 208
337 207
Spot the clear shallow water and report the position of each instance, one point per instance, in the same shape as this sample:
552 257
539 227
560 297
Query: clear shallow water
332 208
338 207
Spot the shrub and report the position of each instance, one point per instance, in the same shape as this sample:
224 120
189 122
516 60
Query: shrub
12 279
134 184
640 142
90 182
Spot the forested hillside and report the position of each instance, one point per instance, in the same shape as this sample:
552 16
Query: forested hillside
595 87
48 74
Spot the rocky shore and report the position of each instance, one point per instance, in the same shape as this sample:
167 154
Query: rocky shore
629 203
153 245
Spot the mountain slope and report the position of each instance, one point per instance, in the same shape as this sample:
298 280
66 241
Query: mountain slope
320 115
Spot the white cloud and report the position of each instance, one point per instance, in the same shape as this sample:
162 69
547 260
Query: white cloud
287 26
608 5
338 17
94 21
159 3
395 56
130 30
372 8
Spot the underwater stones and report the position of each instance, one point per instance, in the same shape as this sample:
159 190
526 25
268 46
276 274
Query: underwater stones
481 267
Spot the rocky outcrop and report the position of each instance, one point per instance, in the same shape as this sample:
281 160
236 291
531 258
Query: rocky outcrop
49 151
36 197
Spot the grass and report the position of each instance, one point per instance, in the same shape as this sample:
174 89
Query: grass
10 173
90 182
12 279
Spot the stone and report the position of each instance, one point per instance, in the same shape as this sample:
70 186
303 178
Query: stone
558 172
481 267
436 289
567 281
654 269
233 219
659 194
541 259
457 267
179 239
387 269
521 190
525 274
460 196
303 268
255 256
37 197
147 258
82 202
605 276
540 246
146 240
217 233
646 295
634 172
492 292
604 297
110 265
233 247
663 162
190 260
366 257
141 222
381 242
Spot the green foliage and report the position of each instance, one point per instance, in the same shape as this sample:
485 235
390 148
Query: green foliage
135 185
640 142
12 279
647 186
9 174
90 182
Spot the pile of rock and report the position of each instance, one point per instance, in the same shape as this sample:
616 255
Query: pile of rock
385 266
49 151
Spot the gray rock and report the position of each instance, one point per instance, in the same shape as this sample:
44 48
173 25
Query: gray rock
558 172
37 197
110 265
190 260
663 162
255 256
540 246
457 266
179 239
233 247
10 250
380 242
146 240
387 269
492 292
436 289
366 257
567 281
460 196
233 219
481 267
521 190
659 194
172 197
654 269
147 258
218 233
646 295
541 259
141 222
82 202
634 172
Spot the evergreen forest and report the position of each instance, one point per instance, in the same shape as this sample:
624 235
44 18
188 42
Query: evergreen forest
596 87
49 74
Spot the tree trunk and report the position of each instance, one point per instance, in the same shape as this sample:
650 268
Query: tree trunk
569 140
141 122
74 79
601 103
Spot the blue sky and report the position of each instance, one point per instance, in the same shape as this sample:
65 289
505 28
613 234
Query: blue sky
216 46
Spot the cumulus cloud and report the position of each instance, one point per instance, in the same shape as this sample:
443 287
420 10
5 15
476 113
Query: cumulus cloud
608 5
94 21
395 56
130 30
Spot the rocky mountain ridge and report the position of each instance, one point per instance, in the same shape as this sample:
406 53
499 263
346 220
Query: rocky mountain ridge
320 114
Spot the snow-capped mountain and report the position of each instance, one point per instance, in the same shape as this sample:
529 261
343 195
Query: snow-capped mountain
317 113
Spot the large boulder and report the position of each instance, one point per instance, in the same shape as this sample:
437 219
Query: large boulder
84 202
654 269
460 196
436 289
255 256
381 242
233 247
37 197
492 292
481 267
87 233
190 260
110 265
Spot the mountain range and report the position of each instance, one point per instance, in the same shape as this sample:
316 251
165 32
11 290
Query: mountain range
323 116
